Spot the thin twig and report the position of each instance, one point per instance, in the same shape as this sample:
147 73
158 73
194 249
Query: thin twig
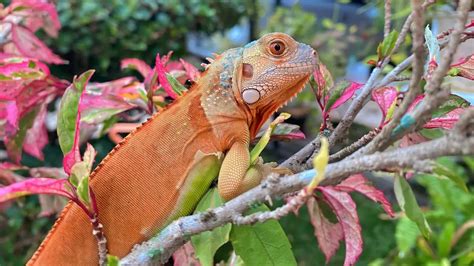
388 17
417 66
354 146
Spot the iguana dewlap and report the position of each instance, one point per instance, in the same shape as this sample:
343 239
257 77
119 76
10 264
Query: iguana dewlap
152 177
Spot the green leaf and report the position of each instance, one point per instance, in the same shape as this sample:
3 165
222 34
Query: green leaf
112 260
262 243
79 171
207 243
442 170
68 110
336 93
406 234
407 202
175 85
443 242
83 190
387 45
453 102
432 133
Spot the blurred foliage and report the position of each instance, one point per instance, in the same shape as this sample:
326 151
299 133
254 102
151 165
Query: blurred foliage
451 216
97 34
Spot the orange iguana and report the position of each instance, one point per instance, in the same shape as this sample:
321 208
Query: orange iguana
157 173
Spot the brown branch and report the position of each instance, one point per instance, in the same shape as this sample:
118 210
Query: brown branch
354 146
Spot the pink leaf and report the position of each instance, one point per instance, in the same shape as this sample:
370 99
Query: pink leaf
360 184
35 186
384 97
160 70
415 102
446 121
191 71
166 58
173 66
136 64
12 117
347 94
37 136
345 209
39 14
466 67
29 45
328 234
185 256
9 89
411 139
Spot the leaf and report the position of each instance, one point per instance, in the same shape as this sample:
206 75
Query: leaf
285 131
345 209
34 186
320 162
406 234
265 138
262 243
112 260
432 44
444 239
453 102
328 234
407 202
89 157
83 190
387 45
37 136
465 68
29 45
442 170
446 121
185 256
411 139
335 94
134 63
175 85
191 71
207 243
386 99
14 143
69 120
360 184
38 15
322 80
347 94
161 74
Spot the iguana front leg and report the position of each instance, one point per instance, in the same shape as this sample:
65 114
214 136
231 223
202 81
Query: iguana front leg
236 176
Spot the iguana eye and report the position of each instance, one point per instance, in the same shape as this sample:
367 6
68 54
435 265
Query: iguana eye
277 47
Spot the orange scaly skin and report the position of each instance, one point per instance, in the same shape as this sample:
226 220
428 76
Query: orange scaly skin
141 185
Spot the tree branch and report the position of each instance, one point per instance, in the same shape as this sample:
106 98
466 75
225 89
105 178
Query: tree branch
459 142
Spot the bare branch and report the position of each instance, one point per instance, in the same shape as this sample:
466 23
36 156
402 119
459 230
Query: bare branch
388 17
354 146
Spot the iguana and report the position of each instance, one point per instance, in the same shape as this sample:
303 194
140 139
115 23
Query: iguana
161 170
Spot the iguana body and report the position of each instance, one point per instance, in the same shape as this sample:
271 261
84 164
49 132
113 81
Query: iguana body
156 174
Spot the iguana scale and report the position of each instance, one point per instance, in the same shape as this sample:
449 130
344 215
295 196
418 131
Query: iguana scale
156 173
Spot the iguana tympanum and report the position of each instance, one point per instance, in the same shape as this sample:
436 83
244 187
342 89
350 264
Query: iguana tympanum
161 170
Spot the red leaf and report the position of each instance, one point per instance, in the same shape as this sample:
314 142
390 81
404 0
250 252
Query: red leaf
415 102
11 116
185 256
37 136
345 209
136 64
446 121
191 71
384 97
35 186
160 71
328 234
38 14
360 184
466 67
347 94
29 45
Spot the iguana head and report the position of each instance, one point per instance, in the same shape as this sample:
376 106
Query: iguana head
273 70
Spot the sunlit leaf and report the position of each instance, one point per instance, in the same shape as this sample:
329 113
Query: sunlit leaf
320 163
407 202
